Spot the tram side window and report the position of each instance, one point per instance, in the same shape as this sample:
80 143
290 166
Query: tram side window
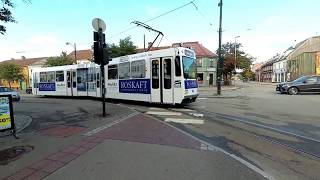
47 76
51 76
138 69
124 70
98 80
43 77
113 72
59 76
155 74
167 73
177 66
74 77
68 79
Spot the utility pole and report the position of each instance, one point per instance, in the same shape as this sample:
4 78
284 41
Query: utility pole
220 61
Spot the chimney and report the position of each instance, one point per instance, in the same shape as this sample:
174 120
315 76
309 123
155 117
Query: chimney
23 57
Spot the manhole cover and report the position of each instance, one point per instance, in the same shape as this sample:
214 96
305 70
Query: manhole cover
13 153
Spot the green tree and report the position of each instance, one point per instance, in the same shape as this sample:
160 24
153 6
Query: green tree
248 74
243 60
6 14
125 47
10 72
61 60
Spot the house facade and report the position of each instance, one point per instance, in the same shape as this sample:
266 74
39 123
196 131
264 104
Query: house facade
206 63
305 58
26 65
266 72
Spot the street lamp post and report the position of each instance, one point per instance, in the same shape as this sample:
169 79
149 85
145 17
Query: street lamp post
75 50
235 58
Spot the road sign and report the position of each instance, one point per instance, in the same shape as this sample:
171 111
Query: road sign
6 113
98 23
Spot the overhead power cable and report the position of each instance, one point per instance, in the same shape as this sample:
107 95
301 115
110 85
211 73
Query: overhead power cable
163 14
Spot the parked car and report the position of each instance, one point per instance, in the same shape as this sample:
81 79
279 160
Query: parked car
7 91
29 90
302 84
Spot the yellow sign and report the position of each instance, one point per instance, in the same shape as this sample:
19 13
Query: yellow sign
318 71
5 114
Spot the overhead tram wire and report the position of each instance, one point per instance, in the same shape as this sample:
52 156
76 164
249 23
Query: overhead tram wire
163 14
203 16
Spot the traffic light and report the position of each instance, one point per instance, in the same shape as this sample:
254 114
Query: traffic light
107 54
98 47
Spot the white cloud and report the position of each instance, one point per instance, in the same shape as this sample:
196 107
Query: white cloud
44 39
151 11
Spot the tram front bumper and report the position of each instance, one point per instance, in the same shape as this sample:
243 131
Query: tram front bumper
190 98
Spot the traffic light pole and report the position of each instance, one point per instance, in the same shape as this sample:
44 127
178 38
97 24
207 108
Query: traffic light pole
220 61
102 64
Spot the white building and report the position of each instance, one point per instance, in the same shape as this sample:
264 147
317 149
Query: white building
280 72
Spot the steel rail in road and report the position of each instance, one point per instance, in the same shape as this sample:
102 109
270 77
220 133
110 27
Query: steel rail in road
300 150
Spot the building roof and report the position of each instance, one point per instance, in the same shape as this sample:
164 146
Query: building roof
311 44
25 61
199 49
85 54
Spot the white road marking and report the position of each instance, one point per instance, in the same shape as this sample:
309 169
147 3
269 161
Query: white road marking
208 146
182 110
196 114
164 113
158 109
185 121
201 98
94 131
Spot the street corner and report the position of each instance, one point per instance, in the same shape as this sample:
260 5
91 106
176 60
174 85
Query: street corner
21 122
145 129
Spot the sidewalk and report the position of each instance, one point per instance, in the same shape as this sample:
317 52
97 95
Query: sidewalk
226 91
137 147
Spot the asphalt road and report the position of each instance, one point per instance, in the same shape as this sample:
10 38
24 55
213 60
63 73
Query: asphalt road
68 139
291 122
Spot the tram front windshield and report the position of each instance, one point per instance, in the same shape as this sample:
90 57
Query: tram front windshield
189 68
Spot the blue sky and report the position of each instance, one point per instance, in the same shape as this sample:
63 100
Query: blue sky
265 27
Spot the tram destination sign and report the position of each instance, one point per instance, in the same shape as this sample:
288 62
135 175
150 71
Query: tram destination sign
6 113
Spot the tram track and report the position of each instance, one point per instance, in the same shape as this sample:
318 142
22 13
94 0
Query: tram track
315 155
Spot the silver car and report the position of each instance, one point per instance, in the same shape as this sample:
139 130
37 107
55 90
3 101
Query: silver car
7 91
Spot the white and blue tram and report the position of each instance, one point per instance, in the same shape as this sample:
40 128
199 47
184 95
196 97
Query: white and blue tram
165 76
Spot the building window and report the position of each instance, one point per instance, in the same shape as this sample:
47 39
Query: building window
200 77
211 63
199 62
138 69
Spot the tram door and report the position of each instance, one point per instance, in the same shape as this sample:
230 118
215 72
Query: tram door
166 78
161 80
98 82
71 82
82 81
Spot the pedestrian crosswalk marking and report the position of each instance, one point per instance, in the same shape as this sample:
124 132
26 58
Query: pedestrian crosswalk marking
185 121
157 109
164 113
182 110
196 114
